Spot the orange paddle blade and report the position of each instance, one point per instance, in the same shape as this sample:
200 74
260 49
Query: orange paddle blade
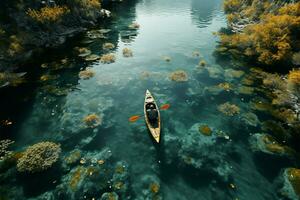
165 107
134 118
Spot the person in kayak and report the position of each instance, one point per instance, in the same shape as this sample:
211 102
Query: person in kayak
152 113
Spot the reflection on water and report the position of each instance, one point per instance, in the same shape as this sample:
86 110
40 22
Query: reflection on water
204 11
84 105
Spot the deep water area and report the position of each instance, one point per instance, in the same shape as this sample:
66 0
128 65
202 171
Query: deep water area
86 92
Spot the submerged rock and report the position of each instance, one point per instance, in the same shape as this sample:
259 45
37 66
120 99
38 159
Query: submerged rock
267 144
109 196
250 119
291 183
204 153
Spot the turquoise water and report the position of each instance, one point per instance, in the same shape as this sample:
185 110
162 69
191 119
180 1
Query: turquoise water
187 164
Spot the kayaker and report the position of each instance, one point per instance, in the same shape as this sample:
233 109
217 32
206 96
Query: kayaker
152 113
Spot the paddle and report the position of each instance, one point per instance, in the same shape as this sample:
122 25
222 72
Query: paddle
134 118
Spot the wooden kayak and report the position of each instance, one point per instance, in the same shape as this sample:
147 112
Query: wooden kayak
154 128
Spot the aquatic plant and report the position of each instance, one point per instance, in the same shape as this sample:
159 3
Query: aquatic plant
294 77
108 58
231 73
245 90
154 188
225 86
48 14
73 157
109 196
127 52
134 25
248 80
293 81
76 177
15 45
229 109
267 144
296 58
83 51
4 152
274 81
179 76
293 175
108 46
39 157
92 120
205 130
285 114
250 119
87 73
202 63
91 57
88 4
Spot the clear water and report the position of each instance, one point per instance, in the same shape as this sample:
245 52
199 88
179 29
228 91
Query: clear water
186 165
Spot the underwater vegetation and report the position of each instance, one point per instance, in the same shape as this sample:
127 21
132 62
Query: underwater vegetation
4 145
11 79
48 14
229 109
127 52
108 46
202 63
264 30
108 58
92 120
267 144
291 183
38 157
205 130
86 74
179 76
134 25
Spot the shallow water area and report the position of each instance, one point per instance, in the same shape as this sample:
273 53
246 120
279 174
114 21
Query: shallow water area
84 103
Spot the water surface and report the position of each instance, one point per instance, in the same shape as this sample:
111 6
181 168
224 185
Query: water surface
187 164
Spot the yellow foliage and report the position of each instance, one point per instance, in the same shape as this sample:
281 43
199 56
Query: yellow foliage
294 77
294 178
179 76
48 14
232 5
270 40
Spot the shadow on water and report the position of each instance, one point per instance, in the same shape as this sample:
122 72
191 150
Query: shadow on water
270 166
40 182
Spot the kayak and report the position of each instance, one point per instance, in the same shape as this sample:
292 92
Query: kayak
153 126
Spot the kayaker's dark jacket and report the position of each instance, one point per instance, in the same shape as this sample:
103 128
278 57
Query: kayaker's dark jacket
152 114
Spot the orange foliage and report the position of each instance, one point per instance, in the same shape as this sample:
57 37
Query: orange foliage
272 38
48 14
